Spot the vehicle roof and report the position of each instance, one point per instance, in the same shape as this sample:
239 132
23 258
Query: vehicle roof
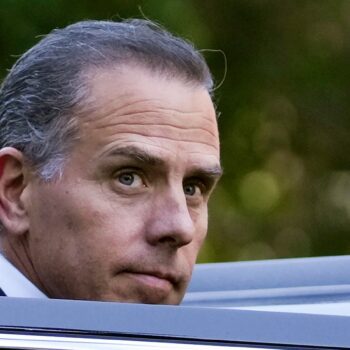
286 282
243 298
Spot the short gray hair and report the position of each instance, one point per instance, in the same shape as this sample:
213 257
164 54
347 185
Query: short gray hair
40 95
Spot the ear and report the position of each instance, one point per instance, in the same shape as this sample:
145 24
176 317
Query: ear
13 214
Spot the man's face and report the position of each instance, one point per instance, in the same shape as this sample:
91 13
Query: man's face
129 215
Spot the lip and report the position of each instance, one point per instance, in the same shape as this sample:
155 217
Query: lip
153 279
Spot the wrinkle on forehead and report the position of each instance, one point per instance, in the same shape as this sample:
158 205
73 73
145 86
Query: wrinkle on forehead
157 112
111 106
150 108
128 84
148 128
169 125
189 140
135 112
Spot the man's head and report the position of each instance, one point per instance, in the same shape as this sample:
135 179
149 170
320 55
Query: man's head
109 152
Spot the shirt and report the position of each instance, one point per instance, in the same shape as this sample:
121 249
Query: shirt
15 284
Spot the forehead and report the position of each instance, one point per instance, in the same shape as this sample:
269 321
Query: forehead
130 105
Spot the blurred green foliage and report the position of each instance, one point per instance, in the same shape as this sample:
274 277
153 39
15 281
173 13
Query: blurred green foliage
284 108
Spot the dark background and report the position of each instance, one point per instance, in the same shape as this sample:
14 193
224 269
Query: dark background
284 111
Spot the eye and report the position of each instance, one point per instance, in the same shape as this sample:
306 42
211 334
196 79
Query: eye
126 179
192 189
130 179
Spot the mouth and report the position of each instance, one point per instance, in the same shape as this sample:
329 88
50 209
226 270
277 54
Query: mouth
149 286
153 281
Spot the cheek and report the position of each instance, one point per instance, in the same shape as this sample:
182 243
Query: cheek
202 231
194 247
76 241
59 224
83 221
202 225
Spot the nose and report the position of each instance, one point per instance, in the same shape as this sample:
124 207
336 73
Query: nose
170 222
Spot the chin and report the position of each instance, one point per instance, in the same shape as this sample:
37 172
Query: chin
143 298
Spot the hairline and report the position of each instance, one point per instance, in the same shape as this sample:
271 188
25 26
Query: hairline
168 67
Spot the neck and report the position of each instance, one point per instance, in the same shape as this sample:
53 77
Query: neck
16 250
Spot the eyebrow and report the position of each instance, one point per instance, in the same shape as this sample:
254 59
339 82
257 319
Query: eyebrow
146 158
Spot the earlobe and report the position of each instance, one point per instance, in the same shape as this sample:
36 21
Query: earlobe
13 214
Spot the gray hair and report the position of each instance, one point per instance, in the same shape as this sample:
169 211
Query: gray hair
40 96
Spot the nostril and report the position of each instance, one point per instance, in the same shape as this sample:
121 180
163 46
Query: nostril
168 240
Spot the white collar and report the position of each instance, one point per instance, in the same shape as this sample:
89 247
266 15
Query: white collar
15 284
